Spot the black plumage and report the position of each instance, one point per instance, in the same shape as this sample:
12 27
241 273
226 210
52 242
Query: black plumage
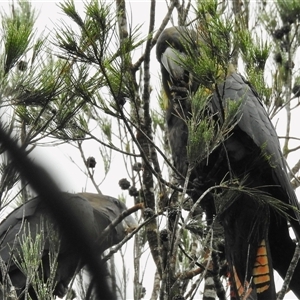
95 212
249 159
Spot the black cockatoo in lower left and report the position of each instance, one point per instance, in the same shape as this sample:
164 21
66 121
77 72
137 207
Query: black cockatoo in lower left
34 220
249 159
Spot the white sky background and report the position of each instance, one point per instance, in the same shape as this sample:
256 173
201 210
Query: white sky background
57 161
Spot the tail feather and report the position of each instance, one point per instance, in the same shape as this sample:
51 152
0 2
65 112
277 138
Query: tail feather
261 285
262 272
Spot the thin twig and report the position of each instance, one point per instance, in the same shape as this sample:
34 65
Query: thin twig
289 273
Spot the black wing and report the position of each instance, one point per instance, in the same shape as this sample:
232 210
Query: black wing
106 210
255 123
253 156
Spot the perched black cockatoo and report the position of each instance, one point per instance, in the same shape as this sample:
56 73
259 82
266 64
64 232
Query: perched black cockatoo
95 212
256 235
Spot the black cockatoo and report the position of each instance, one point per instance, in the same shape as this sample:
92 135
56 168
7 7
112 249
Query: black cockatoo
95 212
256 236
